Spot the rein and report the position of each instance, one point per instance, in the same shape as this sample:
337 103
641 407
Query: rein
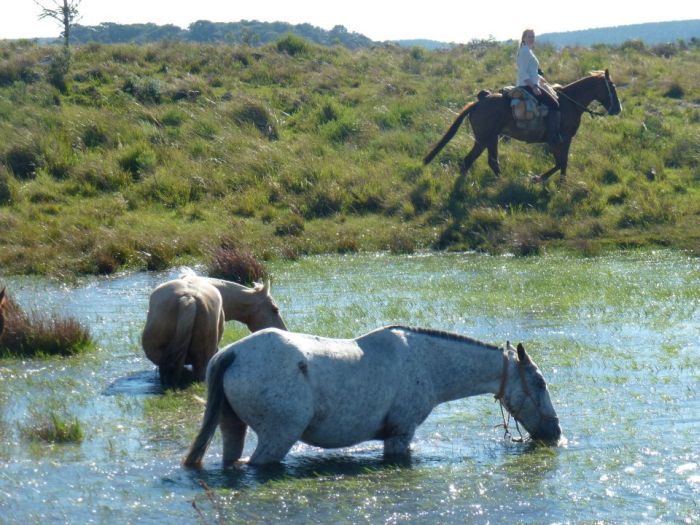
500 396
585 108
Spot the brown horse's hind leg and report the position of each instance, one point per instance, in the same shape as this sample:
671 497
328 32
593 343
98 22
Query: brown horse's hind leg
471 157
233 431
493 156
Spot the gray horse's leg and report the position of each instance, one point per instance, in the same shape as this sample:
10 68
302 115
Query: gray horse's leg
399 444
273 445
233 431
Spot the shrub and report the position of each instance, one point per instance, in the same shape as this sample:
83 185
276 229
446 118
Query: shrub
173 117
236 265
159 255
17 69
93 136
292 45
257 115
290 225
402 243
145 90
138 160
34 334
24 160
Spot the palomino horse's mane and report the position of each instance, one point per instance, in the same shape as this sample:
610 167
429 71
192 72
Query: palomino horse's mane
444 335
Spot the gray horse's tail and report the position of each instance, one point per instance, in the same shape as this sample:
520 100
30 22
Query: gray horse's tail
176 354
450 133
215 400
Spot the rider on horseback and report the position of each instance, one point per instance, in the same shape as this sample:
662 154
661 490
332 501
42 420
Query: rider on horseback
530 78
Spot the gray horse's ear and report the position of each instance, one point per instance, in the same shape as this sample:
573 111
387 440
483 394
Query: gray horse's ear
607 74
522 354
509 346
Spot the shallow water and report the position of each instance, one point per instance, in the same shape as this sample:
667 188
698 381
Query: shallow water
612 336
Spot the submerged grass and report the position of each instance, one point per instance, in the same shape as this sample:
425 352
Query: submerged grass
54 428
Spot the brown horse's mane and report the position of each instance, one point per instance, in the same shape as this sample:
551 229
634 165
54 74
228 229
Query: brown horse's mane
444 335
591 74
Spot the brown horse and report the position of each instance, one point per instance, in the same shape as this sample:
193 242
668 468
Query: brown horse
186 316
491 116
3 306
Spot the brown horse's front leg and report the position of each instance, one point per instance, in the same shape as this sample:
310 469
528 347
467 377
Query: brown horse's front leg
561 160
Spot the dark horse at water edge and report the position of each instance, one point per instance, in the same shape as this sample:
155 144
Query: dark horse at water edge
491 116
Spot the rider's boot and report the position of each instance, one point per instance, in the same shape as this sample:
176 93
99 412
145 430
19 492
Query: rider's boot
553 125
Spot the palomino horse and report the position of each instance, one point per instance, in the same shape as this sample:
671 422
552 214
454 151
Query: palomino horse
339 392
491 116
186 318
3 307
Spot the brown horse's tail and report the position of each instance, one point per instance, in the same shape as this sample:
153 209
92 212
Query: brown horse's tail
215 400
176 353
450 133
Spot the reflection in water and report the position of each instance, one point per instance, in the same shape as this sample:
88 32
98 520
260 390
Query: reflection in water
143 382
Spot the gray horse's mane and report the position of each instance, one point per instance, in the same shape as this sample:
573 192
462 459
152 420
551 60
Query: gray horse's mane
444 335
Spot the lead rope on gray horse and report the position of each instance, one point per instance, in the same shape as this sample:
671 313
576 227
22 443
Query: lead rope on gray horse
499 397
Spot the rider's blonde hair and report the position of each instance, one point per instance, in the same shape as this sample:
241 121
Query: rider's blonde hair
525 33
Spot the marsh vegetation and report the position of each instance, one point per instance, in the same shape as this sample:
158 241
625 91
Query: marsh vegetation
157 154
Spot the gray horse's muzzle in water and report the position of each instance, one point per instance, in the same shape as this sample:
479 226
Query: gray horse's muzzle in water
548 431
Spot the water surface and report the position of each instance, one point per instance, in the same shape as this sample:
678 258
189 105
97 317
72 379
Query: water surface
613 336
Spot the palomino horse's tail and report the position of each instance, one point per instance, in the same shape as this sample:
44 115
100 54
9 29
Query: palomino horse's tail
215 400
176 354
450 133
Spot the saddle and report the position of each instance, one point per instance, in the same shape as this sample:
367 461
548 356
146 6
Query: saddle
528 113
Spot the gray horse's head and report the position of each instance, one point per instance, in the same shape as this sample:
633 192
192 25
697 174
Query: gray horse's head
526 397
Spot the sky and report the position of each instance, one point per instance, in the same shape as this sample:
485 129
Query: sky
447 21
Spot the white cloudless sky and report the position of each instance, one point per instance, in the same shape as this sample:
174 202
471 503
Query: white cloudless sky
443 20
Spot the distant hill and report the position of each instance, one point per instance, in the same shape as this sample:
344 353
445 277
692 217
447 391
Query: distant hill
650 34
255 33
249 32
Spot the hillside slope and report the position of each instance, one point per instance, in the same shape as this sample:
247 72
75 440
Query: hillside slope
145 155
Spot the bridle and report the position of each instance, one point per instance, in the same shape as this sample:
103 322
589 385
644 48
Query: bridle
585 108
500 397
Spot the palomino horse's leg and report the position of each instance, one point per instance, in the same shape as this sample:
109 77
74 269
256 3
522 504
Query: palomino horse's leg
233 431
207 332
471 157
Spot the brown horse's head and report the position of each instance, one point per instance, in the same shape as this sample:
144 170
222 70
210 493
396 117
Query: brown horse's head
608 95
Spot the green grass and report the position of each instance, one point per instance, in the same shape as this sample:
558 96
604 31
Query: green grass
54 428
154 154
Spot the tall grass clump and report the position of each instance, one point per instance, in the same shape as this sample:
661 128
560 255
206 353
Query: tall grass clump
237 265
35 334
54 428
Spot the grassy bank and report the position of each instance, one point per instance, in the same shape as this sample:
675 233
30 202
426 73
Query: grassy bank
149 155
